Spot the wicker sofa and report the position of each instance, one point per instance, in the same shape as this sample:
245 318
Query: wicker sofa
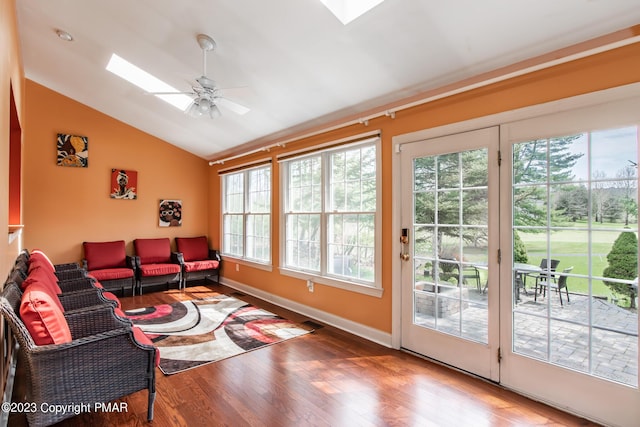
75 355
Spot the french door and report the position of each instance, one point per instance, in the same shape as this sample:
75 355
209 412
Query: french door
449 221
524 270
569 216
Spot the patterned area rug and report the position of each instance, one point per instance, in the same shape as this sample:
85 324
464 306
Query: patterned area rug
197 332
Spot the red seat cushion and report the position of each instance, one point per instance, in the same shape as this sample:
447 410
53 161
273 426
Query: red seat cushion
153 251
159 269
201 265
101 255
112 273
43 318
141 338
193 248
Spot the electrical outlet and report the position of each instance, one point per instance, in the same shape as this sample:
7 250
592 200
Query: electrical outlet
310 285
237 267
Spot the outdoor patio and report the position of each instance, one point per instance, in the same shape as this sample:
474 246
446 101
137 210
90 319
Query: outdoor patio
562 337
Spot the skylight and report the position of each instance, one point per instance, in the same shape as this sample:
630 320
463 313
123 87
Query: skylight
348 10
149 83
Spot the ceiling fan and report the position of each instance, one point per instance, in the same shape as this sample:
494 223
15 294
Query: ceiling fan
207 96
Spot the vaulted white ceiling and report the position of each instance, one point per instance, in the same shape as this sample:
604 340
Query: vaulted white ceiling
291 61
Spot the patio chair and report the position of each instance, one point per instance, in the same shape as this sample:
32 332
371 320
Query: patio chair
469 272
548 267
558 286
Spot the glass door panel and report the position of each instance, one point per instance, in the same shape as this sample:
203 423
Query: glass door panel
446 289
575 217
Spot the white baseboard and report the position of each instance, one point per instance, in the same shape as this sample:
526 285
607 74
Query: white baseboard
363 331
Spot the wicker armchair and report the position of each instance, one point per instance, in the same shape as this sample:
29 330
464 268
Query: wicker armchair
103 362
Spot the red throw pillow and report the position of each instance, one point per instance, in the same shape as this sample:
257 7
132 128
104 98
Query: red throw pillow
193 248
43 318
100 255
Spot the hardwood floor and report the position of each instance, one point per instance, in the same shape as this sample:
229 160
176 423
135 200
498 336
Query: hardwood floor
327 378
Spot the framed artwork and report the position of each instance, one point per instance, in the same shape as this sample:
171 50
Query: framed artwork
124 184
73 150
170 213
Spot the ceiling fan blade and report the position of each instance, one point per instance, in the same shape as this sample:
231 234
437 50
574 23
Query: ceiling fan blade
206 82
169 93
233 106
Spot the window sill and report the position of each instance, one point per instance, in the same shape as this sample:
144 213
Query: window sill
335 283
15 230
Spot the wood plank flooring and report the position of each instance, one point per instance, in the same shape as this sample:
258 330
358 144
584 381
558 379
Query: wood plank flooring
327 378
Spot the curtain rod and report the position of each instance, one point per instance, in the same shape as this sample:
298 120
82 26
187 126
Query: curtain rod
391 111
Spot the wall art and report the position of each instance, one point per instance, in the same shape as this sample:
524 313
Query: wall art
170 213
73 150
124 184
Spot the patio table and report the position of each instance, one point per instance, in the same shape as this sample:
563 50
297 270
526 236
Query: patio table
520 270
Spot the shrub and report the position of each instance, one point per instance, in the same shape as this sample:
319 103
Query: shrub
623 264
519 250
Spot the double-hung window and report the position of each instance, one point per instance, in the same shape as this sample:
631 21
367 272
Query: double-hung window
246 225
331 215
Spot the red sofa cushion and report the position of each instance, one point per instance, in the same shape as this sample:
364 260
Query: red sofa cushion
101 255
159 269
200 265
112 274
153 251
42 317
193 248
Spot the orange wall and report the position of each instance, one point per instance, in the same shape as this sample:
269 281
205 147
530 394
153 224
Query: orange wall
606 70
64 206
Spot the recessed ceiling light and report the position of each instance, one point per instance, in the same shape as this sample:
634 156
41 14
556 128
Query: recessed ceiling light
149 83
348 10
64 35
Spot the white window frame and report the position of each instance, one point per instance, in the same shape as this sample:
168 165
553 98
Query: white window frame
258 263
373 288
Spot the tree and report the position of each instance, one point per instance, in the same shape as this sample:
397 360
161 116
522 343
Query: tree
573 202
627 183
623 264
598 194
534 162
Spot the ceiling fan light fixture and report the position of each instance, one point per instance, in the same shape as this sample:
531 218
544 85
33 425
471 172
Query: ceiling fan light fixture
204 105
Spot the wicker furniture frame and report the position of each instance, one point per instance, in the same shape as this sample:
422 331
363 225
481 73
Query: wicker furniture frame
103 362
